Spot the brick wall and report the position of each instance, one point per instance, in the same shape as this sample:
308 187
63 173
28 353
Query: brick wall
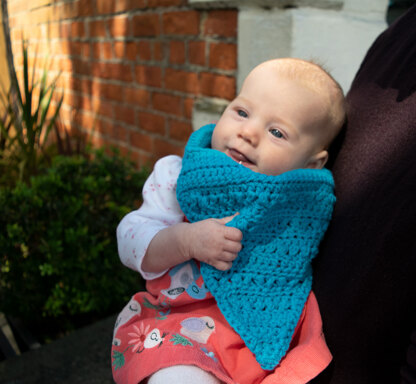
131 69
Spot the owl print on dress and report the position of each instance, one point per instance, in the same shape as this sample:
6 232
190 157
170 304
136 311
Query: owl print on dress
183 279
132 309
198 328
153 339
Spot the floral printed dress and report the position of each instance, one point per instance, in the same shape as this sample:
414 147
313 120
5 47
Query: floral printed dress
176 321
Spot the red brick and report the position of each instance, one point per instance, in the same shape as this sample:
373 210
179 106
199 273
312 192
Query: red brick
67 114
82 85
74 83
16 7
85 8
152 123
126 5
43 15
181 23
96 89
145 160
105 6
141 141
177 52
131 51
15 27
181 81
85 50
196 52
72 100
179 130
164 3
223 55
158 52
107 91
113 71
126 152
65 47
214 85
17 35
151 76
136 96
52 31
81 67
104 108
167 103
146 25
164 147
119 26
97 141
188 106
118 132
144 50
221 23
64 81
119 49
65 30
61 47
101 126
102 50
78 29
125 114
70 10
83 119
96 105
97 28
115 6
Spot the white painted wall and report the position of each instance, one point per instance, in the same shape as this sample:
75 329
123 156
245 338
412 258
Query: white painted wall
338 39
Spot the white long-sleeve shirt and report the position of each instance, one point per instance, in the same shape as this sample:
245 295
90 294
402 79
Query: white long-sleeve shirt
160 209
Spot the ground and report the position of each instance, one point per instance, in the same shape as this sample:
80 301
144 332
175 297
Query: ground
82 357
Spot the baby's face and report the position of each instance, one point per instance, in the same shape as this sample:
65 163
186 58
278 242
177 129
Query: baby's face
271 127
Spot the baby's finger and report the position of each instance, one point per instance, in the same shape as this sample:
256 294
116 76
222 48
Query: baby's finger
233 247
227 256
233 234
227 219
222 265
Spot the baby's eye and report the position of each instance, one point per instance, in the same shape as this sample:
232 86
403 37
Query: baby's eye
276 133
242 113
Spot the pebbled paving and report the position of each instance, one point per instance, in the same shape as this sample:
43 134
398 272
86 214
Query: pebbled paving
81 357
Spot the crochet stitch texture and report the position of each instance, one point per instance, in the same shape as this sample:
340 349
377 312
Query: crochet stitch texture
283 219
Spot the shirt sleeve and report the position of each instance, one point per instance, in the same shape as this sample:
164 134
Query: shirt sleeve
160 209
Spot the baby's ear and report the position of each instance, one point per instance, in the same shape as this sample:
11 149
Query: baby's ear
318 160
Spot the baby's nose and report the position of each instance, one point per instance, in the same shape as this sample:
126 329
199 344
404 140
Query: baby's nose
251 133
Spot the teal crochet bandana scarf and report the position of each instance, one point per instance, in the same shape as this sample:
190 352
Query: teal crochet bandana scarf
283 219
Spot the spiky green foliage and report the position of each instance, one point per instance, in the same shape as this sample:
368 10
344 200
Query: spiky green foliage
28 119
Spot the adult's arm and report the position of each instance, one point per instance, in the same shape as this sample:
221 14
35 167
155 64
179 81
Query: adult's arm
364 274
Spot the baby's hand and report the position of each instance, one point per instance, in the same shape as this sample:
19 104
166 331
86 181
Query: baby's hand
213 243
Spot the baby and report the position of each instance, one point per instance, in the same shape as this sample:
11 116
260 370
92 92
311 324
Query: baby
247 207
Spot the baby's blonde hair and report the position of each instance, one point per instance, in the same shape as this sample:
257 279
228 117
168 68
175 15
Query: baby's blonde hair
316 78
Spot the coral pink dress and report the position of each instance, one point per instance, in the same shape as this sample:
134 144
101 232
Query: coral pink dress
177 320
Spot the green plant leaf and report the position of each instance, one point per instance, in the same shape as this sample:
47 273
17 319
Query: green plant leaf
26 144
59 244
54 117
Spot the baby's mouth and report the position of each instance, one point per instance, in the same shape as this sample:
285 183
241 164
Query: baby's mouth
239 157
